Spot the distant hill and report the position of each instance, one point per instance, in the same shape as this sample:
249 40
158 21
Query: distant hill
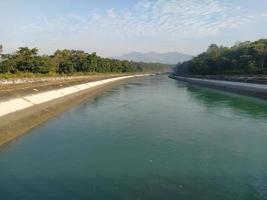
154 57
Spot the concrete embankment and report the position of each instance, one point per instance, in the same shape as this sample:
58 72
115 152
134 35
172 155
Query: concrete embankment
11 81
19 115
251 89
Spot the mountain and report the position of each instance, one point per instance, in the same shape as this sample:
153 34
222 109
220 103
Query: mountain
154 57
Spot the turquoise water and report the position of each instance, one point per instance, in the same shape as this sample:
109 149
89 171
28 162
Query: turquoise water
148 138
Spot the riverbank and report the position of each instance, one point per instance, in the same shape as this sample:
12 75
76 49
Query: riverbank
19 115
19 87
244 88
260 78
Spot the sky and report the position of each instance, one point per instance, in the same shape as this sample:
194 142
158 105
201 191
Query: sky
115 27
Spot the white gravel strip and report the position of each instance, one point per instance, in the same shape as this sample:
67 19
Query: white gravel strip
21 103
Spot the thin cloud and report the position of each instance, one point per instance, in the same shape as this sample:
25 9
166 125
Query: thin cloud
196 18
158 25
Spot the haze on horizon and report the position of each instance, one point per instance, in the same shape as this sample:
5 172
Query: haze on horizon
113 28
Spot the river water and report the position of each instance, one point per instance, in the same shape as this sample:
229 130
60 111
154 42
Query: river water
147 138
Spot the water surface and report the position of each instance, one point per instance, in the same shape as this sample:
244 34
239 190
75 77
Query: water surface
148 138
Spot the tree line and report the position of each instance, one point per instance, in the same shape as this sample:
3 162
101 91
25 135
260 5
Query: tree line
69 62
242 58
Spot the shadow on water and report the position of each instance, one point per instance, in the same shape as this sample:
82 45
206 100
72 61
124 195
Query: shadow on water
212 99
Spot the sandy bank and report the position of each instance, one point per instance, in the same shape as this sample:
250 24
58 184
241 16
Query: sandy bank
19 115
251 89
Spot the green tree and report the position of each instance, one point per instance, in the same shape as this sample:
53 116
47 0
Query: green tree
239 59
7 65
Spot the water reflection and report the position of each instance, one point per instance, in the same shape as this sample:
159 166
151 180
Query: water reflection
212 99
150 138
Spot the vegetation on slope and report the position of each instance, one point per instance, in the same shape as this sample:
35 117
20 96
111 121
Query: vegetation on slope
242 58
26 60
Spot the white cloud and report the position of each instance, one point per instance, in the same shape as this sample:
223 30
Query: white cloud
149 18
156 21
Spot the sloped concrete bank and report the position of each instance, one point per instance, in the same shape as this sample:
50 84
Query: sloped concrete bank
19 115
251 89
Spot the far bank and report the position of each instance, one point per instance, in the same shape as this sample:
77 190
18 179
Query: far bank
244 88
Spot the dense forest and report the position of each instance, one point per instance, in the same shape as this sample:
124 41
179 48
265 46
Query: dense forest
243 58
26 60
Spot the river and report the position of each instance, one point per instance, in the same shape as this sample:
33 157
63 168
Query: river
147 138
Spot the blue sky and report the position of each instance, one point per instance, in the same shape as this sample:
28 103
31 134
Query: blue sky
115 27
